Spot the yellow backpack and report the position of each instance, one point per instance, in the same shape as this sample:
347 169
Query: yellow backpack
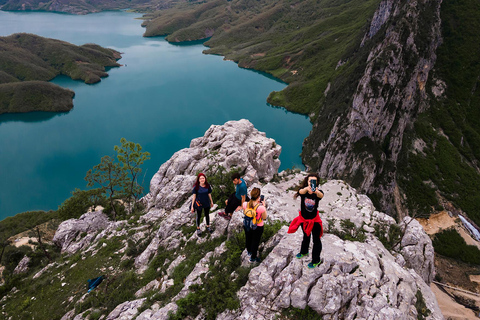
252 213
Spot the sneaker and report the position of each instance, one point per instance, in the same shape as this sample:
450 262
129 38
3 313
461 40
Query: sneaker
301 255
227 216
209 230
249 254
257 259
199 232
313 265
221 213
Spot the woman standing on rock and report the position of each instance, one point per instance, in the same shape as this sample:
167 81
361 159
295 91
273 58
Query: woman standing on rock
254 212
202 200
309 219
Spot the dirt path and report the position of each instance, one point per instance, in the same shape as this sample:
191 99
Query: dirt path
450 308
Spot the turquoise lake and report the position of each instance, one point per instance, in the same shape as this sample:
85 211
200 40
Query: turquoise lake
164 96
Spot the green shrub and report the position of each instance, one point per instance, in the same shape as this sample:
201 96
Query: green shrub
422 310
389 235
348 230
451 244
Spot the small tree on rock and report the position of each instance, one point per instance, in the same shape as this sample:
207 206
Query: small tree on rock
118 179
131 157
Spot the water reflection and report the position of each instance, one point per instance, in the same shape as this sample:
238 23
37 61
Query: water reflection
37 116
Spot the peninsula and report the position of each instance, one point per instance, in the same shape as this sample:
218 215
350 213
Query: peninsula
28 62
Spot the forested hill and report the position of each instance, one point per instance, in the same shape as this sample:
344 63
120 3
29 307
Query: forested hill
390 86
28 61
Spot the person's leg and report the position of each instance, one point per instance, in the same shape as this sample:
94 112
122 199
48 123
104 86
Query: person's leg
248 240
199 216
317 243
232 204
256 236
305 242
206 211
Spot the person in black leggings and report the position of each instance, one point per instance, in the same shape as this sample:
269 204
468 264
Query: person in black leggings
202 200
308 218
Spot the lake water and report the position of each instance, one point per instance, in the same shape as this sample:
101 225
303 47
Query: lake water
162 98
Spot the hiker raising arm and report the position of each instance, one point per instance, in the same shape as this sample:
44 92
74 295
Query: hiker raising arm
309 219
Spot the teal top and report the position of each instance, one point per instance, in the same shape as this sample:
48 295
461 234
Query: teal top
241 189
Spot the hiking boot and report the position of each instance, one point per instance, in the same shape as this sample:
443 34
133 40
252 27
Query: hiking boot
301 255
199 232
257 259
209 230
312 265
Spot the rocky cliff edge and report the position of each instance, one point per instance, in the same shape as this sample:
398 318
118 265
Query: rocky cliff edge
359 277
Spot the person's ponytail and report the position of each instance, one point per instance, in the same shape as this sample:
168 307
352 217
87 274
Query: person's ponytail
254 194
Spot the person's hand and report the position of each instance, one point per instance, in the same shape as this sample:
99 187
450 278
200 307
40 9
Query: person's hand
309 189
191 210
211 204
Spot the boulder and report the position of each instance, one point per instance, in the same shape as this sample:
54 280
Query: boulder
69 233
22 266
127 310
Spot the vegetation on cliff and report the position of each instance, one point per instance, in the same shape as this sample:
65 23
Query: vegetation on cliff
445 169
27 61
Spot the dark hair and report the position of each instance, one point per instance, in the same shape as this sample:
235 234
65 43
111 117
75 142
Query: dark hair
254 195
235 175
197 183
305 183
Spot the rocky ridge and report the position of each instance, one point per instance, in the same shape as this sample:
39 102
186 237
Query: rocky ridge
364 145
357 280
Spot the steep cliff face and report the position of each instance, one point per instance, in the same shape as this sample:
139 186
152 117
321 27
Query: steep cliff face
158 267
364 143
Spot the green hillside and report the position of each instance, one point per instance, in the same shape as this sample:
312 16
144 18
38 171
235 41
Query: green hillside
298 42
27 61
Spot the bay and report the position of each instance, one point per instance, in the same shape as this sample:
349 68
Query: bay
163 96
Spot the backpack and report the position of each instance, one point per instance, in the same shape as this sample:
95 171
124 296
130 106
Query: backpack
252 213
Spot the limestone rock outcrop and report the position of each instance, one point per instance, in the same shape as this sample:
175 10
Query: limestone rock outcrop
359 278
234 144
75 234
22 266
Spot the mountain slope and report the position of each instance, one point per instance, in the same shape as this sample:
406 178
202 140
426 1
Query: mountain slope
155 263
387 116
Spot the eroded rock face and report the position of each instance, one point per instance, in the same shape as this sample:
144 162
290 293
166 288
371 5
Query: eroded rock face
69 233
127 310
355 281
22 266
365 142
236 143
